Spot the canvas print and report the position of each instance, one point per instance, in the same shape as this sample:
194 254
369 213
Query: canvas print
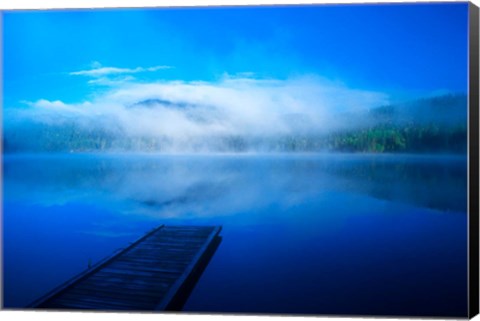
257 159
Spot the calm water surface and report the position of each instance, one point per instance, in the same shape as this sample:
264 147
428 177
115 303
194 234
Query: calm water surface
329 234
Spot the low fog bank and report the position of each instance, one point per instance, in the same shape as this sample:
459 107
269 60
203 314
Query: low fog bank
238 115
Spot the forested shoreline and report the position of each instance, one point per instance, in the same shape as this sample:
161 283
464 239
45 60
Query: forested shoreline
436 125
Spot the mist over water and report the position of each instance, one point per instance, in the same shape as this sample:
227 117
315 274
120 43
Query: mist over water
288 220
337 172
232 115
314 183
170 185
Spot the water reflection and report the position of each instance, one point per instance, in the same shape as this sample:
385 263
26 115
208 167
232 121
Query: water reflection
330 234
223 185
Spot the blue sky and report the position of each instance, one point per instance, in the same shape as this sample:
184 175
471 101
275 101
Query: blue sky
400 50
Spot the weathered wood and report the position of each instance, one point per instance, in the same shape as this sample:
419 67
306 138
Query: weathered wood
152 273
193 264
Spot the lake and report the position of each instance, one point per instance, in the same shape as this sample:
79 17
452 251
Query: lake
302 233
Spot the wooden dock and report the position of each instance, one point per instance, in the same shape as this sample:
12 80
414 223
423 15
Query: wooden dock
156 272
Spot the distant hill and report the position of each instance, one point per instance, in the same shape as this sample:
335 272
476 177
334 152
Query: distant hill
441 110
429 125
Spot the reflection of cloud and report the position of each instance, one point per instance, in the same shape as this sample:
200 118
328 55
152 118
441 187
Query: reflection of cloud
160 187
216 186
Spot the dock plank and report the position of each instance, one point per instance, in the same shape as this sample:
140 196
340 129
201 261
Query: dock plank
149 274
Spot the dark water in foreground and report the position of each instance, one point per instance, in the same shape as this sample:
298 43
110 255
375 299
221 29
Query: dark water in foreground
323 234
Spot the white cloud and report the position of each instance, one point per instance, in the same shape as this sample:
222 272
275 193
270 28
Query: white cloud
57 107
187 113
99 71
106 81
